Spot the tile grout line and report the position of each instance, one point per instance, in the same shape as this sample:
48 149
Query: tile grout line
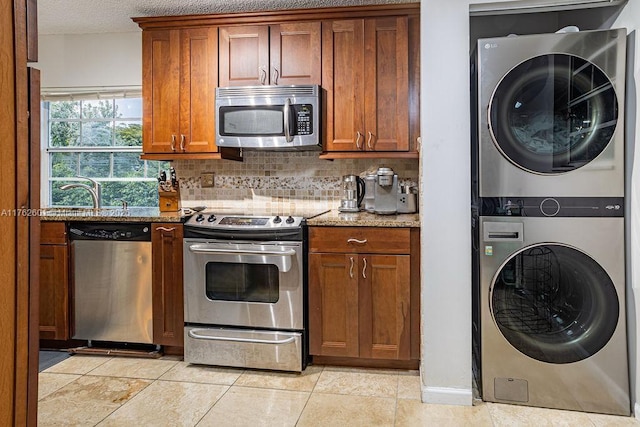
310 394
220 398
395 411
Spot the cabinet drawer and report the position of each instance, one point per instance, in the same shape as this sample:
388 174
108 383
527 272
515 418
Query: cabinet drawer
53 233
359 240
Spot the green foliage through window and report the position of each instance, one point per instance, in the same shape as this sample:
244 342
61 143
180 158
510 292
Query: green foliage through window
99 139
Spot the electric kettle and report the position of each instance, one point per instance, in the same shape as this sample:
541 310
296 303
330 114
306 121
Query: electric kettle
353 193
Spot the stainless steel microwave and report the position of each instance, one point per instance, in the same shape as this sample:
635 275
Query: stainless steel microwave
268 117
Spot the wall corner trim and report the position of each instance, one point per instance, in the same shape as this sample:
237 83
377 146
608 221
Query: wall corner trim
447 396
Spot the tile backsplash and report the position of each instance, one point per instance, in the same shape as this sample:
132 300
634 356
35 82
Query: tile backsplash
279 180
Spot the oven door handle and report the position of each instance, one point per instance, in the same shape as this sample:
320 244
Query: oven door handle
194 334
283 259
199 249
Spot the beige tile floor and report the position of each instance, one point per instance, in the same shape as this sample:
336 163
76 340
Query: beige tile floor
110 391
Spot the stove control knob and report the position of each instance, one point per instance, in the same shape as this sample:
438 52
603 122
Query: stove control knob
290 220
277 220
211 218
200 218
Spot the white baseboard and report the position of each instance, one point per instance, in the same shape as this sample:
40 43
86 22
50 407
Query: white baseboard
447 396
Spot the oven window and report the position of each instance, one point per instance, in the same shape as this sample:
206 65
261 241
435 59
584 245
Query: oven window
250 121
242 282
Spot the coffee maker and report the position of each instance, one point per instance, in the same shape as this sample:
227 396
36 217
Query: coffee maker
353 189
386 191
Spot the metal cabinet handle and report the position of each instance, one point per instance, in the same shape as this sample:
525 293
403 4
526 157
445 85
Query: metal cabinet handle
263 75
358 136
364 275
351 269
173 143
182 138
369 141
362 242
276 74
165 229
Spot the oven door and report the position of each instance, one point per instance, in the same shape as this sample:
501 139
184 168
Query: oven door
251 284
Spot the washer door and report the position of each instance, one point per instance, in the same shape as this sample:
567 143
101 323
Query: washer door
554 303
553 113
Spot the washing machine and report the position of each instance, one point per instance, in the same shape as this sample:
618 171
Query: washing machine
552 308
550 111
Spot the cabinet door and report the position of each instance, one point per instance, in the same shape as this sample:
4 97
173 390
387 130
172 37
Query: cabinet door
333 305
198 81
244 55
160 90
385 314
387 84
54 292
295 53
343 79
168 310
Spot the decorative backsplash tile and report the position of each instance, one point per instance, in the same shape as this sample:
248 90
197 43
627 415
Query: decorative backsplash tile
276 180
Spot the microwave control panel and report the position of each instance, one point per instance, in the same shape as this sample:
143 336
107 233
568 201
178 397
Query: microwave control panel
304 119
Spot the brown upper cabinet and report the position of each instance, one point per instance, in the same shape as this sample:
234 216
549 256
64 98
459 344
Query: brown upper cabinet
366 58
179 77
279 54
365 71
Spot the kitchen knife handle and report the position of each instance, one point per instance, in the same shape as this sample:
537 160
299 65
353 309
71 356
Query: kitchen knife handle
364 269
173 143
182 138
351 269
362 242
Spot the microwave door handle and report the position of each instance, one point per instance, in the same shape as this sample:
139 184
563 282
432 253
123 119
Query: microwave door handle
287 120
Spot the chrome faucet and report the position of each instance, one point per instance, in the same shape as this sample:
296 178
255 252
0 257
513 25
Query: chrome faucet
94 190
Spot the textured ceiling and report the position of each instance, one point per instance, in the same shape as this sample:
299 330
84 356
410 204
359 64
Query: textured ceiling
107 16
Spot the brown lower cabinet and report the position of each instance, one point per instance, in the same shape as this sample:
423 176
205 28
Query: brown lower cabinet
168 310
54 282
363 293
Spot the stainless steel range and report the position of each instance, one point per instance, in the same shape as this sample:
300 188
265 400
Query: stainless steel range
245 291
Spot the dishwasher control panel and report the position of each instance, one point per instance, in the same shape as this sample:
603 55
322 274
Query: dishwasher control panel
110 231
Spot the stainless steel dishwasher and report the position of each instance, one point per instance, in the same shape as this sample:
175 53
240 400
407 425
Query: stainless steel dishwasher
111 265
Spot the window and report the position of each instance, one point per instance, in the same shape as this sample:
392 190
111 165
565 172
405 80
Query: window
99 137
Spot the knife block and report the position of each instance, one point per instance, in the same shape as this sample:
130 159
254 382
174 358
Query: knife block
169 201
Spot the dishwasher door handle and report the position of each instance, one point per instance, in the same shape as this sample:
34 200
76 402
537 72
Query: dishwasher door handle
194 334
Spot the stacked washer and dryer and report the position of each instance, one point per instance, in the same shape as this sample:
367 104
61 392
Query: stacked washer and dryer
548 186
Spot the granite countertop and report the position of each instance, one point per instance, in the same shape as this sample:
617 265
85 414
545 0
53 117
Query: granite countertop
110 215
364 219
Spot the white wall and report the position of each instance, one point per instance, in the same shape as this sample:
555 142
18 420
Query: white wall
90 60
445 219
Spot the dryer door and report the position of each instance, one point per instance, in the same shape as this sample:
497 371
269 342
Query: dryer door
553 113
554 303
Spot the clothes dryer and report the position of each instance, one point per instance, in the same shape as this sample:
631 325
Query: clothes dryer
550 111
552 311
